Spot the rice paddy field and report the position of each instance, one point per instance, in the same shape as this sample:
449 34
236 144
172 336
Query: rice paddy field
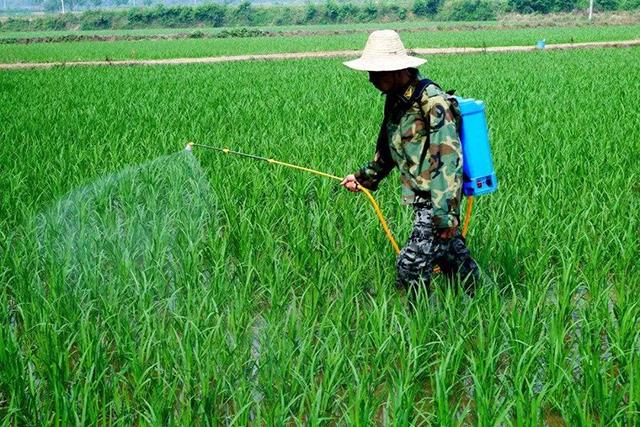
192 48
142 285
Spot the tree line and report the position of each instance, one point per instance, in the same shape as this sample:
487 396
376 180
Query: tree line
329 12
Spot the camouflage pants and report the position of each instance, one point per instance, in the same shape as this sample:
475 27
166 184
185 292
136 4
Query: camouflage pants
425 249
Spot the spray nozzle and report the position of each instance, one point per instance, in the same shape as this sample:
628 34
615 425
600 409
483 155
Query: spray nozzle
189 147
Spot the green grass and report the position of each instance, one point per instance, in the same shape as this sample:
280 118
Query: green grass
164 331
159 49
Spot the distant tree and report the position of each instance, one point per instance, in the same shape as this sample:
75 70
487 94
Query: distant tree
211 14
96 20
244 13
468 10
630 4
606 4
564 5
310 12
394 9
349 11
368 13
283 16
531 6
426 7
331 11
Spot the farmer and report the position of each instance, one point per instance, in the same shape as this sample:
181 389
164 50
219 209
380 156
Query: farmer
429 158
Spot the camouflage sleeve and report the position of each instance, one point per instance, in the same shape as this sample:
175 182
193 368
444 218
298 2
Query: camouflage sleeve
445 164
370 174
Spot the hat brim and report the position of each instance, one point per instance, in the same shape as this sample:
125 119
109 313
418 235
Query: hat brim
394 63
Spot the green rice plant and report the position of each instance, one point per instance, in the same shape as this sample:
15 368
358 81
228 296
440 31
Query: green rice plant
447 406
144 286
526 346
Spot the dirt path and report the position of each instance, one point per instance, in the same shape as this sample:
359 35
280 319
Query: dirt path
328 54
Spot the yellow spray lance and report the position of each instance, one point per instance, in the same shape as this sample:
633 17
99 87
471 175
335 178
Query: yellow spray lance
364 191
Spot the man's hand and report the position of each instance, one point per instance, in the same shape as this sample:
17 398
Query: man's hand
447 233
349 182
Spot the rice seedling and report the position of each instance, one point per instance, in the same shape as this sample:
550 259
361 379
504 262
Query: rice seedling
141 286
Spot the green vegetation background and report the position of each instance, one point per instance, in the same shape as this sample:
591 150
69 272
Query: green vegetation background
191 48
330 12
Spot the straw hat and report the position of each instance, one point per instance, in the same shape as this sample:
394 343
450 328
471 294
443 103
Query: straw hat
384 51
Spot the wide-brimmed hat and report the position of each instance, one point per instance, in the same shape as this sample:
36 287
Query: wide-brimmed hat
384 51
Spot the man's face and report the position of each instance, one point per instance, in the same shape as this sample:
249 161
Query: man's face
384 81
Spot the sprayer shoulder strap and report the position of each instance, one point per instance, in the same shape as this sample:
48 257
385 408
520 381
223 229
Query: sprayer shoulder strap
417 97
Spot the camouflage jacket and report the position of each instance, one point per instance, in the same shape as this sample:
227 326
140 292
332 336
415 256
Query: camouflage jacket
402 142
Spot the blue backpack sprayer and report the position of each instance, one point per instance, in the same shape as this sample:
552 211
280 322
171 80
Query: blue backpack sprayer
479 177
